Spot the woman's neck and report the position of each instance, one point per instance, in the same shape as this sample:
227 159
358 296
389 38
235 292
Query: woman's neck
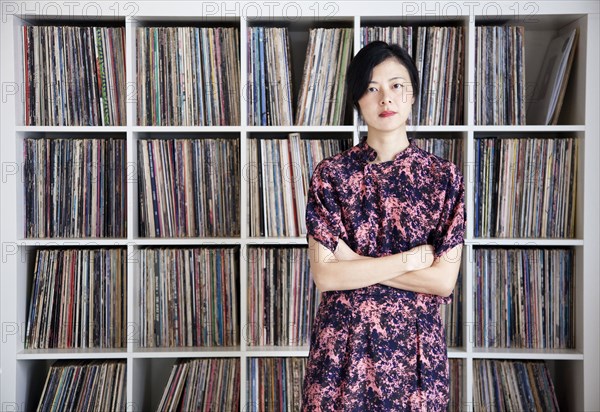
387 145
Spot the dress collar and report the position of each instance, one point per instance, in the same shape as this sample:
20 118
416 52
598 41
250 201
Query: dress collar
367 154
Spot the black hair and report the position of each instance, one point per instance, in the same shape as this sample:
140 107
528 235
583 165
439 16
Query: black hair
361 67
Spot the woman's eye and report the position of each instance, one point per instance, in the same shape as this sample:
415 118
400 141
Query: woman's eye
398 86
372 89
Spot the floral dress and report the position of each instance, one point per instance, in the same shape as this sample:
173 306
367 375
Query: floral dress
380 348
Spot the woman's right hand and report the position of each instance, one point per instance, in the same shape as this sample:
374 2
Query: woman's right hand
419 257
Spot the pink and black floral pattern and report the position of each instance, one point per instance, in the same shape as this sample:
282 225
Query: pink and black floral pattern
379 348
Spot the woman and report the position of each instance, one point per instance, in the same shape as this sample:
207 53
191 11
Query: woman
385 230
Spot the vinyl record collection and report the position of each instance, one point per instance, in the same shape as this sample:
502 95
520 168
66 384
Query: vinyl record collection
402 36
456 383
501 385
439 56
525 187
282 297
75 188
275 384
500 71
270 78
189 187
188 76
452 316
189 297
321 101
279 174
74 76
524 298
78 299
448 148
202 385
95 386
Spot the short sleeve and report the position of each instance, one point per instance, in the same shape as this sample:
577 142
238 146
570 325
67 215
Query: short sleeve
450 231
323 220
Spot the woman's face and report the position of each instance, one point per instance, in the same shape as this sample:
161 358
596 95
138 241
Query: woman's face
389 97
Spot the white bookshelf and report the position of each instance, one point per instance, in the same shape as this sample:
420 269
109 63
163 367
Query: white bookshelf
576 372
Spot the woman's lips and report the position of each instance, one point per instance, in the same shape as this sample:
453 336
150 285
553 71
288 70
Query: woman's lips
386 114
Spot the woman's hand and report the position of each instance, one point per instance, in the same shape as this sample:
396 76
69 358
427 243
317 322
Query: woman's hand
419 257
346 270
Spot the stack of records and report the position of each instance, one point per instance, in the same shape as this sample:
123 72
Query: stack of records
189 187
188 297
512 386
188 76
456 384
500 71
78 299
279 175
282 297
402 36
449 149
322 95
75 187
74 76
524 298
525 187
97 386
275 384
439 57
203 385
270 77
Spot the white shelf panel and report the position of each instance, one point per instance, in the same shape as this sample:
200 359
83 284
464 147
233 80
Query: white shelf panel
419 128
277 351
529 128
82 353
457 353
72 129
251 241
187 352
91 242
186 129
298 129
523 242
527 354
186 241
276 241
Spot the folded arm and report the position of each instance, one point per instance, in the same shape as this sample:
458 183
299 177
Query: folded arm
438 279
345 270
415 270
